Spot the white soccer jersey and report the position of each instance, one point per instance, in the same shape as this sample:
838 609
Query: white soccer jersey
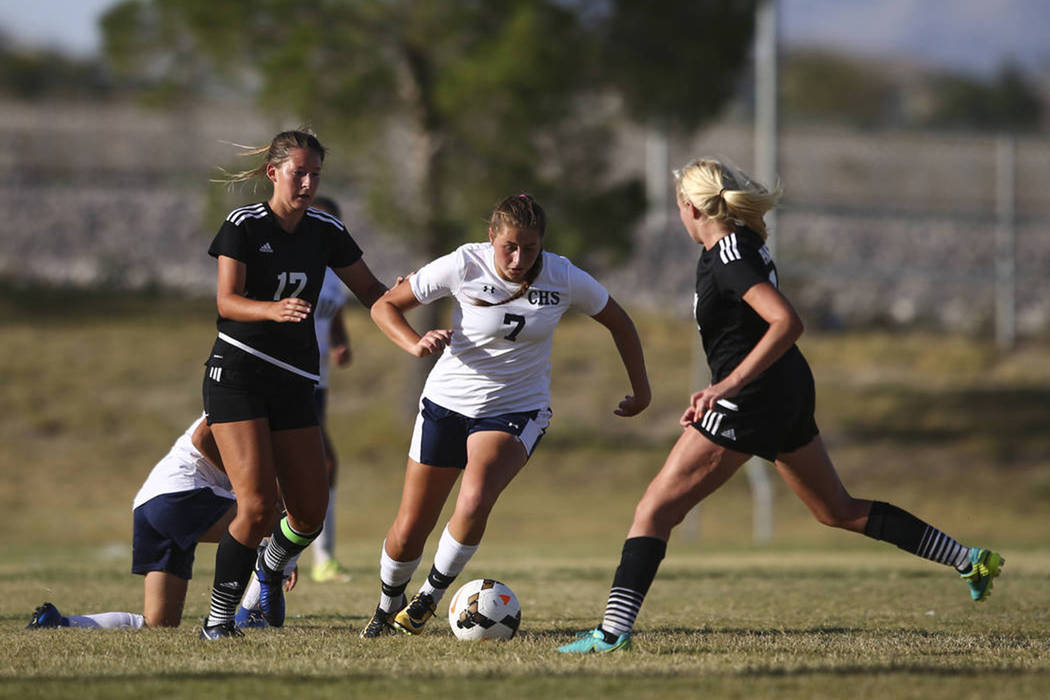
184 468
499 357
332 298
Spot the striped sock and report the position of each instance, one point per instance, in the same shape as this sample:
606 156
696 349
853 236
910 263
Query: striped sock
639 560
394 576
888 523
284 544
233 568
449 561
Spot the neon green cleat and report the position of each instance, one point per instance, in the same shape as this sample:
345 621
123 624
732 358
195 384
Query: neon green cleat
985 566
330 572
595 642
415 615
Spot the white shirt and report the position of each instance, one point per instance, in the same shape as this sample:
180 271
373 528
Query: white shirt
184 468
499 358
332 297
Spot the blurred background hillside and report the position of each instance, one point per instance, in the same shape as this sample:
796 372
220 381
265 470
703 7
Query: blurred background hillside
899 122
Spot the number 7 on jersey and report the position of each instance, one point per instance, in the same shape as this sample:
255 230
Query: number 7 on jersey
518 321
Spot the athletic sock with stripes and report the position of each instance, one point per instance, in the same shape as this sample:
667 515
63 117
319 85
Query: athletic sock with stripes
888 523
394 576
233 568
449 561
285 543
639 560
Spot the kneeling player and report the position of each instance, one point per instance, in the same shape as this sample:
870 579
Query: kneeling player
186 499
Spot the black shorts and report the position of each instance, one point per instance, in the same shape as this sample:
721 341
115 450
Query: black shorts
240 387
167 527
321 403
771 416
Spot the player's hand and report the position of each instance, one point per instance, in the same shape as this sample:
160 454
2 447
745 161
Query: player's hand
701 402
432 342
293 578
290 310
632 405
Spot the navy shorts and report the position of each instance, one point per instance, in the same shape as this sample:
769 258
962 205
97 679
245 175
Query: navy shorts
771 416
168 526
231 395
439 438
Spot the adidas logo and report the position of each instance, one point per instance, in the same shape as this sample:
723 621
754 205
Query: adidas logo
265 248
729 433
232 585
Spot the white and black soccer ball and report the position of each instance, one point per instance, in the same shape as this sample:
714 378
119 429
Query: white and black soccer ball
484 609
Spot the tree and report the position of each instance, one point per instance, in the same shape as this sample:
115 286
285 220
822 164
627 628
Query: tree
1007 102
491 97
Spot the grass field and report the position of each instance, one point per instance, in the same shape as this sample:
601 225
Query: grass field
97 388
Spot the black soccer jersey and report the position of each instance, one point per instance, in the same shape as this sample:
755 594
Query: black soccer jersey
729 327
281 264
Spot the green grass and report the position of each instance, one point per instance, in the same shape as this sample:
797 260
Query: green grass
96 388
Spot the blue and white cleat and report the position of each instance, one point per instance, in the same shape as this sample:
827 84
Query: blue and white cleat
251 619
219 631
597 642
271 597
985 565
47 616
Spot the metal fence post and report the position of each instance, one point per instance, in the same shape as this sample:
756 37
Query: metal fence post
1006 242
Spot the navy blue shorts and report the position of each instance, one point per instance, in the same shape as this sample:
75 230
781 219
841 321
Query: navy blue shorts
168 526
773 415
439 438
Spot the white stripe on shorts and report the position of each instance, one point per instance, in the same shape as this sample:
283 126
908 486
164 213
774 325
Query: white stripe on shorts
535 429
711 421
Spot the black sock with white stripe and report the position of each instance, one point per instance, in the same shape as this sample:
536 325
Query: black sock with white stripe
233 569
285 543
639 561
888 523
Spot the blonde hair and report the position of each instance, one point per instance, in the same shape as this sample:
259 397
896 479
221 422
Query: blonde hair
722 192
276 153
518 211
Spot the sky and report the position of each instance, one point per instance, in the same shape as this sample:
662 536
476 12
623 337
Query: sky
975 36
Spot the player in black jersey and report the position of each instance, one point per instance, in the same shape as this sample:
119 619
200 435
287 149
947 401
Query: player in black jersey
760 402
259 386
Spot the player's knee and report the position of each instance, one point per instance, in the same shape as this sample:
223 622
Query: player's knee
474 505
407 534
256 518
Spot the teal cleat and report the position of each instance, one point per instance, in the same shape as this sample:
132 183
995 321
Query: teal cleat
985 566
596 642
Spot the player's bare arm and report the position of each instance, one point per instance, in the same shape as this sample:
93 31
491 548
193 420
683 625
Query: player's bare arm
388 312
629 345
232 303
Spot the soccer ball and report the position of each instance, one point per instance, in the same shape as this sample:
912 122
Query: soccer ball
484 609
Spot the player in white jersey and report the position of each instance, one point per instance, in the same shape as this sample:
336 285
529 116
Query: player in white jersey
185 499
333 345
486 403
